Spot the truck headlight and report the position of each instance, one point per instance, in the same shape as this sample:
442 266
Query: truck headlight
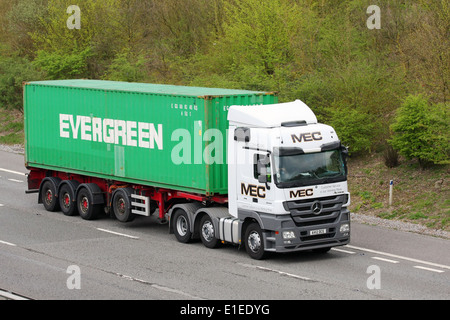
288 235
344 228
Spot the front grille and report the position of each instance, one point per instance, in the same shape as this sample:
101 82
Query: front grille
303 215
317 237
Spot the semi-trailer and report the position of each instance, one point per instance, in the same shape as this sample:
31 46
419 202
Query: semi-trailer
222 165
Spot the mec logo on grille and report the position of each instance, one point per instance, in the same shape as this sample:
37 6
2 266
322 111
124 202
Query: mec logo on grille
301 193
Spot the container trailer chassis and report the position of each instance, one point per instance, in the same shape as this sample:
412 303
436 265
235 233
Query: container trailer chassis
89 196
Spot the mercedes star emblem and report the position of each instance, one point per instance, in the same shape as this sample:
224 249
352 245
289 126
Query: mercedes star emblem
316 208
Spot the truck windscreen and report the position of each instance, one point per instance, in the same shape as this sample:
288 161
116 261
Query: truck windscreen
294 170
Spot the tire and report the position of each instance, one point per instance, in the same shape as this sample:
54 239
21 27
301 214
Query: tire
122 206
254 243
182 226
49 198
86 209
208 233
66 201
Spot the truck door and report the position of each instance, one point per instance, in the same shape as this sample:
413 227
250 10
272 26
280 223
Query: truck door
254 181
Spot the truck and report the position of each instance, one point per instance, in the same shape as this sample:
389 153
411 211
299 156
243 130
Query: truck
219 165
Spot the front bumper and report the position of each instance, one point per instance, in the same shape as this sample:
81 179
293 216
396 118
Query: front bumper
305 237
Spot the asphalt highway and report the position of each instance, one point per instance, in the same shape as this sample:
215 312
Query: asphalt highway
49 256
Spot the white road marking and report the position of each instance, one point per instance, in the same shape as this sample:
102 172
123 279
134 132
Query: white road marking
428 269
2 205
13 172
159 287
11 296
384 259
8 243
400 257
117 233
276 271
14 180
342 250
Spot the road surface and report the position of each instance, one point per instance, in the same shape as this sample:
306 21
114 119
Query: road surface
47 256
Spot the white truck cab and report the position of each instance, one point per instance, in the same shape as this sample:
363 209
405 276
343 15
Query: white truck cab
287 185
287 181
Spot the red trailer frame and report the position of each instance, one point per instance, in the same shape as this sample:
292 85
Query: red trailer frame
163 197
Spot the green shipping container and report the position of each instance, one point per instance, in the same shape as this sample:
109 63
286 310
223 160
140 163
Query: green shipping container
150 134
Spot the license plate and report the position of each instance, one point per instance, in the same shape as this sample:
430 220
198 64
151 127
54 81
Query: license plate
318 231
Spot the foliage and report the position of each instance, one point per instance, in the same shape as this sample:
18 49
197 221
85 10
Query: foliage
318 51
425 50
60 65
14 71
354 128
421 131
22 17
125 67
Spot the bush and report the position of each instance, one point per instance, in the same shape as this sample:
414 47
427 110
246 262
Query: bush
125 67
421 131
390 156
61 65
354 128
13 72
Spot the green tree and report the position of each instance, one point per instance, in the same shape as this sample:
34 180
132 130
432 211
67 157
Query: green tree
179 37
14 70
61 65
421 131
23 19
254 48
354 128
126 67
78 50
424 49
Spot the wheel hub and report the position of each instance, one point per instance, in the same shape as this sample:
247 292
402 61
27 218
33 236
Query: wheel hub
49 196
84 204
182 226
254 241
208 231
66 200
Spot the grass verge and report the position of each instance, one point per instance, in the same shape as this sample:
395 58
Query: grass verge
419 196
11 127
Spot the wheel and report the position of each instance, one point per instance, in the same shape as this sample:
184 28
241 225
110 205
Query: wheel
66 201
181 226
122 206
86 209
254 243
207 233
48 197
